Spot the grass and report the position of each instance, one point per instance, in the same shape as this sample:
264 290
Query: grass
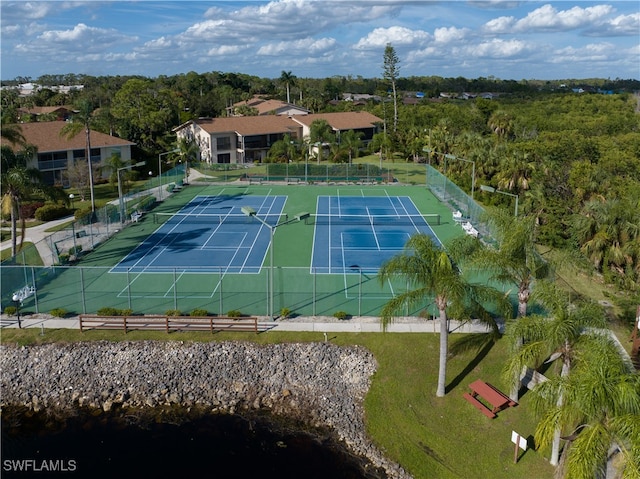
31 255
430 437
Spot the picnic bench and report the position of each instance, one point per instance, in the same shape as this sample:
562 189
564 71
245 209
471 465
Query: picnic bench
491 395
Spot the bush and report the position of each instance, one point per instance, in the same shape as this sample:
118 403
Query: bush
28 210
147 203
341 315
58 312
75 250
10 310
64 258
173 312
199 312
234 313
80 213
108 311
285 312
51 212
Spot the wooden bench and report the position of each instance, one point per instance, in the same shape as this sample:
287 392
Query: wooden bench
293 180
479 406
213 324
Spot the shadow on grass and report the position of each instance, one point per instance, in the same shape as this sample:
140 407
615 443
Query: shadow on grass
483 343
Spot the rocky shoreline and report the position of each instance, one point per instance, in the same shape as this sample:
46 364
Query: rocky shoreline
317 384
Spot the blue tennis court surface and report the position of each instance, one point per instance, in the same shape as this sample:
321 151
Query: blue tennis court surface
359 233
209 234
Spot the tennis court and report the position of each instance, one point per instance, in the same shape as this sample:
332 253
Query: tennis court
198 250
360 233
210 233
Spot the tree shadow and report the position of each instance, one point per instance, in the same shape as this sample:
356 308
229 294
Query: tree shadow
483 343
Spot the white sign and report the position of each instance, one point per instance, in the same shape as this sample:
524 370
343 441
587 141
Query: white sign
519 440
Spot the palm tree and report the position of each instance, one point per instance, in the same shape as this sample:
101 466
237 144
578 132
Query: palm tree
431 273
514 259
188 152
18 182
560 336
352 142
320 132
83 121
12 134
288 79
601 408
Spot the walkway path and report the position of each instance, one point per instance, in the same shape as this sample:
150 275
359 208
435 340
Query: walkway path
323 324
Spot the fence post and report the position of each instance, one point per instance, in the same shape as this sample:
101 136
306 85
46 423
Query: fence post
175 290
35 288
84 306
128 289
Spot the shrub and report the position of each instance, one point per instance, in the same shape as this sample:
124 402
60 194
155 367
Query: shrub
340 315
108 311
80 213
234 313
64 258
50 212
199 312
58 312
10 310
285 312
173 312
75 250
28 210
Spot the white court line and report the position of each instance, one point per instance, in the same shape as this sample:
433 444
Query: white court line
373 228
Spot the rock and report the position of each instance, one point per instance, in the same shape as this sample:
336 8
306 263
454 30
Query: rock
319 383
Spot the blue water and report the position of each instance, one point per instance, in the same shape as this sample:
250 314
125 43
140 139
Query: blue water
214 446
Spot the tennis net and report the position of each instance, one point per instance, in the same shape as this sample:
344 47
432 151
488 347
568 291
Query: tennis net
376 220
211 219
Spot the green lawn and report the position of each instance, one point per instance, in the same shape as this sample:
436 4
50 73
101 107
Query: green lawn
430 437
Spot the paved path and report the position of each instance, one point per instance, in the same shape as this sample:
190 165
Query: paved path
319 324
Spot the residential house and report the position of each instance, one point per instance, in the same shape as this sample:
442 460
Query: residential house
59 113
248 139
55 151
267 107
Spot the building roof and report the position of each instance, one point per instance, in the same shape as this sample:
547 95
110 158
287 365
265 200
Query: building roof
351 120
266 107
43 110
247 125
262 125
45 136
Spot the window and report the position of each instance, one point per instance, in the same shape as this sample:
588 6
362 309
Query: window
223 143
224 158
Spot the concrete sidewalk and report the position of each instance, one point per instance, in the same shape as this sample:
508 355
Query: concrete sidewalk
319 324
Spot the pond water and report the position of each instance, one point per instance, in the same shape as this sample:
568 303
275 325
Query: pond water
211 446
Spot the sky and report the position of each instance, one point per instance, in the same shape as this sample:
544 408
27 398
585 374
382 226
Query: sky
509 40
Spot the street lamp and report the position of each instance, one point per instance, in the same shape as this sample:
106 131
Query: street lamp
491 189
140 163
18 301
175 150
249 211
71 197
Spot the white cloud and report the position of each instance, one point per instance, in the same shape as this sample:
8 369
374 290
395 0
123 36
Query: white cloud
497 48
622 25
82 35
451 34
594 52
379 37
548 18
306 46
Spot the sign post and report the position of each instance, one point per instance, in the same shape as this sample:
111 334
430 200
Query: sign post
520 442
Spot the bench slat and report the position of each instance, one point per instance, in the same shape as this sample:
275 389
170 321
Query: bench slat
479 406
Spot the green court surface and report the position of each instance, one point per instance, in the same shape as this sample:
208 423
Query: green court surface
91 285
